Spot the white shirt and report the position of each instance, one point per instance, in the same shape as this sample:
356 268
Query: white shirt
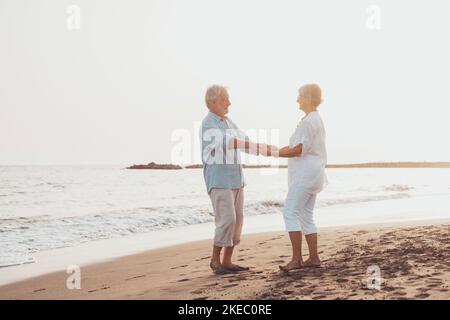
308 170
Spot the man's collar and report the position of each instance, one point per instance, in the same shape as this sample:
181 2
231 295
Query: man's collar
215 116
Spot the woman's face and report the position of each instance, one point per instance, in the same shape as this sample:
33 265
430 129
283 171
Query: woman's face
301 102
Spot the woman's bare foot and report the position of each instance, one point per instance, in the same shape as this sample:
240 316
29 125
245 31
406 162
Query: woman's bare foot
293 265
235 267
312 263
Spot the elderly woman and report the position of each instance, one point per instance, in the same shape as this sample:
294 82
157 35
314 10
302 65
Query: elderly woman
306 177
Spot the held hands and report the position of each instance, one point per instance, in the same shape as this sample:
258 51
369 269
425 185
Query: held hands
267 150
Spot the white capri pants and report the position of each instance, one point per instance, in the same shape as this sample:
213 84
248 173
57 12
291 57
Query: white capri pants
299 209
228 205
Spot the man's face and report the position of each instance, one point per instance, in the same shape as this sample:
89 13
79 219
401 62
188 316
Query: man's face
222 104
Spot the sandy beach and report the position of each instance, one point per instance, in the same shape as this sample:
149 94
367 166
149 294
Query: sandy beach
413 259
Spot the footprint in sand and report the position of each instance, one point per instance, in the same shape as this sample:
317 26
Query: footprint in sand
136 277
277 261
95 290
204 258
422 296
211 285
434 279
177 267
423 289
39 290
341 280
200 298
183 280
277 238
230 285
237 279
197 291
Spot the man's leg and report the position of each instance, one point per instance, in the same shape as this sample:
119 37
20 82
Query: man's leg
222 200
227 254
237 230
215 257
215 264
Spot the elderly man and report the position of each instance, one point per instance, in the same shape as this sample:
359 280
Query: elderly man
222 142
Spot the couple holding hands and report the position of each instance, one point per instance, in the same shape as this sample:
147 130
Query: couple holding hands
222 141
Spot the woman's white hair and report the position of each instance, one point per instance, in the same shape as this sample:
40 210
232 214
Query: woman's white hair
213 93
313 92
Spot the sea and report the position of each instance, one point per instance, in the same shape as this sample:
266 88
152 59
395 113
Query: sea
44 208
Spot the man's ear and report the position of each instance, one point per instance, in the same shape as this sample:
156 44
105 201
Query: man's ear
212 105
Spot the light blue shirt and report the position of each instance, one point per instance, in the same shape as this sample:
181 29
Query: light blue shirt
222 167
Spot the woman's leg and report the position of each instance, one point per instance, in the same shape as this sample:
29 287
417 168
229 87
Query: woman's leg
310 230
295 201
296 260
296 242
313 259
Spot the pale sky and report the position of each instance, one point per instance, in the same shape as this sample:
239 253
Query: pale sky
114 91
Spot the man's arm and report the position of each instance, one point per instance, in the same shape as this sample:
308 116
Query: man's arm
252 147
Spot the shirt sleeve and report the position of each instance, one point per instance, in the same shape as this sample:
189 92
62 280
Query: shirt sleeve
303 135
229 134
240 134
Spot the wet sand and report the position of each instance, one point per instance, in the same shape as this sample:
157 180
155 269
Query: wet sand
413 260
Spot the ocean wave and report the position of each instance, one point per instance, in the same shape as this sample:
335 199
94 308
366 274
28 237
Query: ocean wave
23 236
398 188
260 206
361 199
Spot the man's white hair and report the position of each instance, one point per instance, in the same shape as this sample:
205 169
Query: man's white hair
313 92
213 93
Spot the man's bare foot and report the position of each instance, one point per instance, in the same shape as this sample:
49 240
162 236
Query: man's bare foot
235 267
312 263
218 268
293 265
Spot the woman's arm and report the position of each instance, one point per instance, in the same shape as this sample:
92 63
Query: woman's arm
287 152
